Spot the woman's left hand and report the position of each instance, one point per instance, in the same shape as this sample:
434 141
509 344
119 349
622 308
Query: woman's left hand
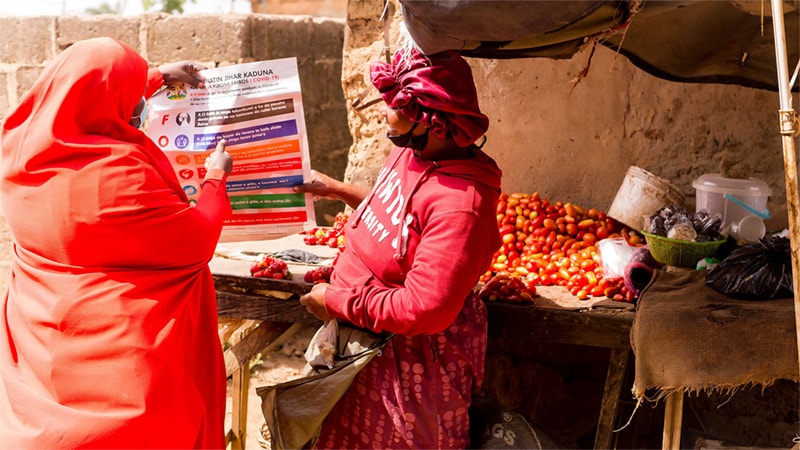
314 302
183 72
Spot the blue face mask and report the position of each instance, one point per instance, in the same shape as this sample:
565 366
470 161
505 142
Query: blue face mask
138 121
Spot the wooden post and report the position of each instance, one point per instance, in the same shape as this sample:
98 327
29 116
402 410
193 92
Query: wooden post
241 384
617 362
237 364
788 129
673 418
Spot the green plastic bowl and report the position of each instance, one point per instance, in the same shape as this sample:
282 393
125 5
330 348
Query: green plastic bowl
675 252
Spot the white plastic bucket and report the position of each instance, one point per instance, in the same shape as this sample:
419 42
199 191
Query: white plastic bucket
642 194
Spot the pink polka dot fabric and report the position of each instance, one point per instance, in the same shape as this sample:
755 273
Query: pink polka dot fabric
416 393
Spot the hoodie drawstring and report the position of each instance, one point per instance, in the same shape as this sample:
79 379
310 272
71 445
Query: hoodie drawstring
372 192
402 241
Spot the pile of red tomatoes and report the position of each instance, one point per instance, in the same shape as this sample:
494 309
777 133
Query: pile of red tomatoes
332 236
554 244
270 267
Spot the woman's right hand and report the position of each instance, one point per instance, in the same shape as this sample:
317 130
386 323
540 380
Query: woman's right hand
314 301
321 185
220 159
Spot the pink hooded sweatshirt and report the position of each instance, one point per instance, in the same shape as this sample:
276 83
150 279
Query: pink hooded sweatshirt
415 249
417 245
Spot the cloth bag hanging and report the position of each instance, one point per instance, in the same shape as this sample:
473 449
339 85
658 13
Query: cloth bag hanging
294 410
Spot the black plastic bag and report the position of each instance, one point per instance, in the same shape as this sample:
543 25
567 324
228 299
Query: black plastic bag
755 271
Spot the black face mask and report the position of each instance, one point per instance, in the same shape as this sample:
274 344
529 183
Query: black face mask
408 140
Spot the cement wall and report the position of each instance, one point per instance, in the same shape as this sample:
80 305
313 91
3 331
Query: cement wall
28 43
575 141
577 144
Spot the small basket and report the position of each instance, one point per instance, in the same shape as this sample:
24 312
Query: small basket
675 252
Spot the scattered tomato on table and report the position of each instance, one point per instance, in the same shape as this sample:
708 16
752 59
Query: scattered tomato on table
319 275
271 267
507 287
332 236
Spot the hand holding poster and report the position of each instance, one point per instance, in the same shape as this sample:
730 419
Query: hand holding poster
258 109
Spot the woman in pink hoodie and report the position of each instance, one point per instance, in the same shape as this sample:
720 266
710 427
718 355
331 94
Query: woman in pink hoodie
416 245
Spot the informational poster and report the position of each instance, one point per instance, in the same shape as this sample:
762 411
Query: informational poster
258 109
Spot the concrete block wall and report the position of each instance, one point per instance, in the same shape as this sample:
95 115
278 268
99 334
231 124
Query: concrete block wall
571 133
28 43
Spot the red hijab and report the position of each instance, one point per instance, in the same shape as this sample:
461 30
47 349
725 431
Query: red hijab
71 134
437 90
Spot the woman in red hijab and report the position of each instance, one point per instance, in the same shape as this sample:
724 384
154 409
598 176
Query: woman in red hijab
416 245
108 330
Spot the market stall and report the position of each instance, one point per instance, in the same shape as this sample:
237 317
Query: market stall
555 316
747 43
649 35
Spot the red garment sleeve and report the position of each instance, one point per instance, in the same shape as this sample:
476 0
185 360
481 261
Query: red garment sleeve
153 229
212 208
214 203
155 79
452 254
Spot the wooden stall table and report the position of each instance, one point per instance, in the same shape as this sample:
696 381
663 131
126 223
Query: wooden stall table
272 303
556 316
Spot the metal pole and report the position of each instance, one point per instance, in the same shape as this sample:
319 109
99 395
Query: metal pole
788 129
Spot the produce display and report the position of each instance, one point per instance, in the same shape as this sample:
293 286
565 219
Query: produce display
332 236
552 244
271 267
543 244
319 275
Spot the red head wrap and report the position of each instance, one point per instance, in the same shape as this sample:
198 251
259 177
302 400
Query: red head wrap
438 89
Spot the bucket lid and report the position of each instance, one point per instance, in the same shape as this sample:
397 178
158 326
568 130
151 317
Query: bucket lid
745 187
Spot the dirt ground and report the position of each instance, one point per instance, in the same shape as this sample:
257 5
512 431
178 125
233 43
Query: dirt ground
276 365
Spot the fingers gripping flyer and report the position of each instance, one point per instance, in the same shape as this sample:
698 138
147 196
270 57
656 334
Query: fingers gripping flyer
258 109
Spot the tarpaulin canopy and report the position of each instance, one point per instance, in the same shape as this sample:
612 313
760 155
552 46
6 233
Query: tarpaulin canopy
713 41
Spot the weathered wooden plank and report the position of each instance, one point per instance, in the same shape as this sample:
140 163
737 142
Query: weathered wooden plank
247 284
609 329
617 362
242 352
237 436
278 301
673 420
259 307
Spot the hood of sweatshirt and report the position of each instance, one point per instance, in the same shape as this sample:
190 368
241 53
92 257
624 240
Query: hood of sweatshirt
481 170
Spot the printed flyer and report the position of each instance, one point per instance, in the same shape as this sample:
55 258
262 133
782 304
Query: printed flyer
258 109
